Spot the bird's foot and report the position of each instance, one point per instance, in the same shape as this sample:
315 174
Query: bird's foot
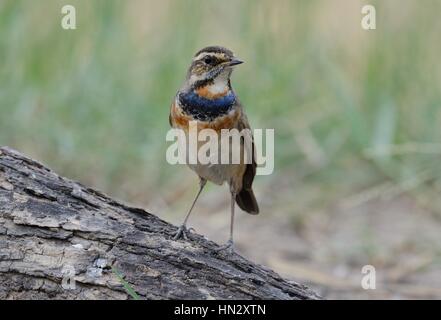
182 232
228 247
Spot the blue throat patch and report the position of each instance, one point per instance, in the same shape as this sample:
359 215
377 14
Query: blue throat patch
204 109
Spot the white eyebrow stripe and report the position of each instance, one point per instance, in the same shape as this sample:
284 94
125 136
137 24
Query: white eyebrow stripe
201 55
204 54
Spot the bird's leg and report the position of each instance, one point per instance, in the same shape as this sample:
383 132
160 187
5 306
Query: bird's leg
182 230
229 246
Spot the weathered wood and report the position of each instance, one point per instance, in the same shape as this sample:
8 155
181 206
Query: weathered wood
50 225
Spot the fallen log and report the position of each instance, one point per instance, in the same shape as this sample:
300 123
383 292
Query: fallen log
62 240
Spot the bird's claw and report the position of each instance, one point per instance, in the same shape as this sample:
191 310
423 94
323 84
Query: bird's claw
228 247
182 233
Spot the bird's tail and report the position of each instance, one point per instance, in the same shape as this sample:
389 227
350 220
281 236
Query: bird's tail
247 201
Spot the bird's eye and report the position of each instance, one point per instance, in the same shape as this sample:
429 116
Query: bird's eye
209 60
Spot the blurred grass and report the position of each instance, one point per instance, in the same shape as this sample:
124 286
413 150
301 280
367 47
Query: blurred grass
93 103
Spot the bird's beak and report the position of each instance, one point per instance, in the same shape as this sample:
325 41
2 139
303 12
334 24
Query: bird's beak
235 62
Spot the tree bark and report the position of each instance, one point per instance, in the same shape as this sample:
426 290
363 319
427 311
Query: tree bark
61 240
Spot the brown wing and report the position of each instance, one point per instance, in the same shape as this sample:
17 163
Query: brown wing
172 116
170 119
245 198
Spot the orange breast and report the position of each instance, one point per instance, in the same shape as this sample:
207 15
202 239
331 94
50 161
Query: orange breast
228 121
206 93
181 120
178 118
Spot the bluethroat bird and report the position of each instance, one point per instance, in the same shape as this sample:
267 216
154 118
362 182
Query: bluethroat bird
208 98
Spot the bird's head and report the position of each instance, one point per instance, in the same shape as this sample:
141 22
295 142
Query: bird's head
211 65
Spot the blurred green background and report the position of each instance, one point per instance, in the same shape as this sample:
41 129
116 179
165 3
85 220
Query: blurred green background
356 115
